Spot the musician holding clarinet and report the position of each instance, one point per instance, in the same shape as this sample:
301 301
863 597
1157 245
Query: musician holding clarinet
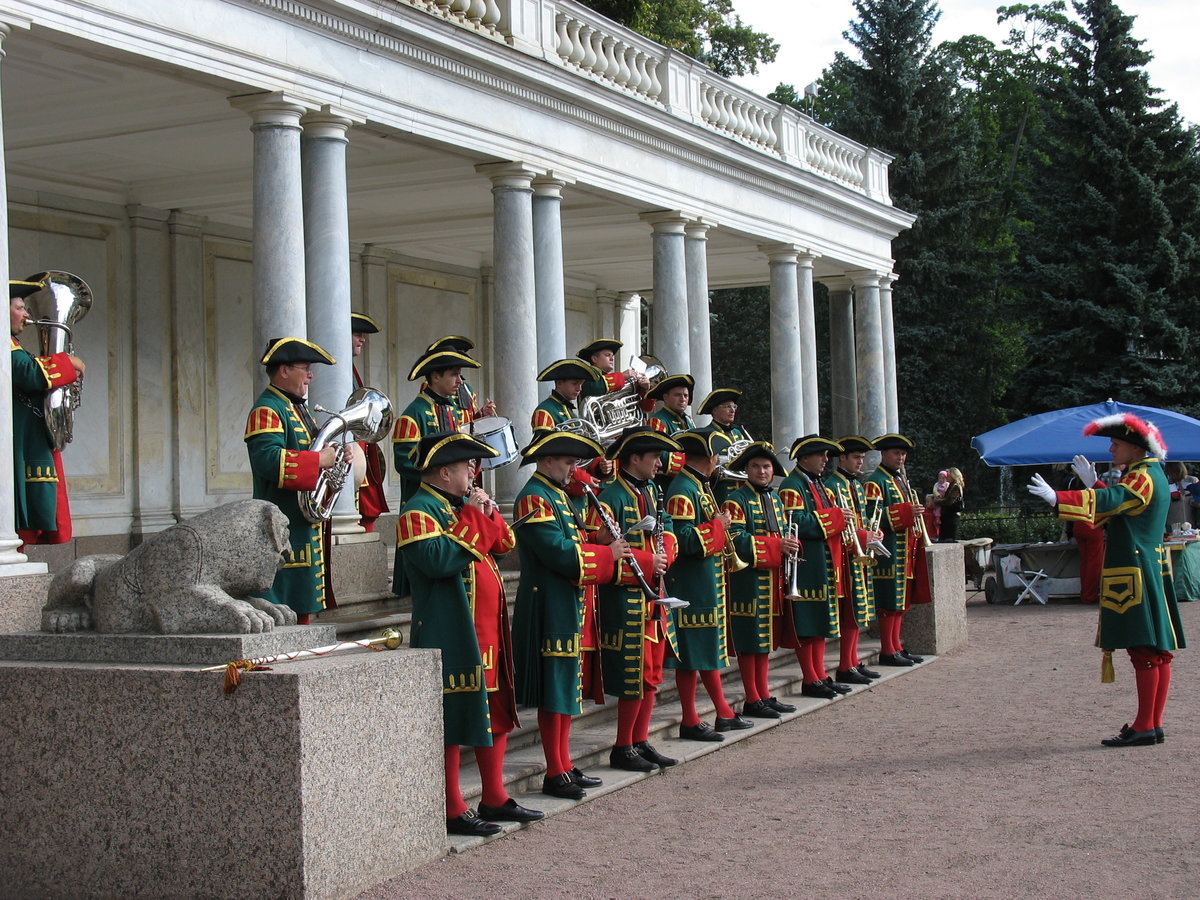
43 515
756 604
636 633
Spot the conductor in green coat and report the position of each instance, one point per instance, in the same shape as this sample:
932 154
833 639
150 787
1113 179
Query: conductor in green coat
1138 611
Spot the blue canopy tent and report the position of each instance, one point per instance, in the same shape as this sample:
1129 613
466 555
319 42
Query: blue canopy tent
1055 437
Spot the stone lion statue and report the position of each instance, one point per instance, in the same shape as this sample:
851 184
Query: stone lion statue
202 576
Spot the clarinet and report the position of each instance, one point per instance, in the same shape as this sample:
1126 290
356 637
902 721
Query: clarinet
660 542
615 531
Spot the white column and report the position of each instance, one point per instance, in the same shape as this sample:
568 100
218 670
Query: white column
549 291
787 398
868 341
186 243
154 452
891 393
606 318
629 326
843 384
279 293
669 314
699 340
11 562
327 275
808 344
514 314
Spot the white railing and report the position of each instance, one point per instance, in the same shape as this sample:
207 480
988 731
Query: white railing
596 47
478 15
739 113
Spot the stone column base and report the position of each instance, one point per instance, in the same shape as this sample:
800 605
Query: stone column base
21 600
319 778
941 626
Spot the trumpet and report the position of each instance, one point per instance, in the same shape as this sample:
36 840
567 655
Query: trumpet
733 562
921 530
791 567
851 541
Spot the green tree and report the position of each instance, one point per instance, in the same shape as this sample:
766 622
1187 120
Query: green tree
707 30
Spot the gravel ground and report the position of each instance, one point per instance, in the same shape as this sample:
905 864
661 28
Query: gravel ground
980 775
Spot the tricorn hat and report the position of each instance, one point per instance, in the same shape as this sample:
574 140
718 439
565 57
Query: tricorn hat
639 439
559 443
716 398
586 353
1129 428
361 323
565 369
854 443
757 450
24 288
455 342
671 382
893 441
702 441
441 359
446 447
290 350
813 443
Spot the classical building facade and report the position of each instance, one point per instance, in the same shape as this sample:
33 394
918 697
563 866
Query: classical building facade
524 172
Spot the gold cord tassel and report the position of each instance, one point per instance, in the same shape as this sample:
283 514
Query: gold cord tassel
1107 675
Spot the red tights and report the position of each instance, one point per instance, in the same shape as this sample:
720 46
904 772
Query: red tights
755 668
811 656
1152 672
685 680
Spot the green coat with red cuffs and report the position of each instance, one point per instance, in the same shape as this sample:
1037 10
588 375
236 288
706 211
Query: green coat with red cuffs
819 525
892 578
698 575
278 435
556 564
447 553
1137 598
669 422
757 518
857 585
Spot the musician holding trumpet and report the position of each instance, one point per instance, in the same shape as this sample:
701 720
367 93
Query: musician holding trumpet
279 431
756 594
42 512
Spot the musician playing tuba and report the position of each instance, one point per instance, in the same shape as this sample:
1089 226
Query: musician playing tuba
279 431
602 354
722 405
42 513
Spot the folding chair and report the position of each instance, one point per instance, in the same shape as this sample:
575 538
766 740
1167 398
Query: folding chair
1028 580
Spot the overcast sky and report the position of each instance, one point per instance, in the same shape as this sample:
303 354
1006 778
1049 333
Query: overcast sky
809 32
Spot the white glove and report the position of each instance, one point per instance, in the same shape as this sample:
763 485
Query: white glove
1084 471
1039 488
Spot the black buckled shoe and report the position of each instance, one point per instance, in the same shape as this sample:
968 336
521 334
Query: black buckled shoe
852 676
759 709
820 690
838 686
510 811
648 752
563 787
868 673
585 781
629 760
912 656
888 659
778 706
1160 736
733 723
1127 737
471 825
700 732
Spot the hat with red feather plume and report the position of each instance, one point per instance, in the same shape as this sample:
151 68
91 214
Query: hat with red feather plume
1129 428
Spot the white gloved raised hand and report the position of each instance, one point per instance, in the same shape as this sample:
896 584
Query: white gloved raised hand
1038 487
1084 471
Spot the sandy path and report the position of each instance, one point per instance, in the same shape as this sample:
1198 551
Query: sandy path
980 776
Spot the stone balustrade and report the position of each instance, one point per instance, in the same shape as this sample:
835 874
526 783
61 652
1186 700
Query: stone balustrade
739 112
595 47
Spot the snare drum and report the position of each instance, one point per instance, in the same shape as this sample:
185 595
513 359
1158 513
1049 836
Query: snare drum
497 432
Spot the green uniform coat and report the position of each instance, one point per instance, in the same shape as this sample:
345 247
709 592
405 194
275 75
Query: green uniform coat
35 476
757 518
819 527
857 583
890 577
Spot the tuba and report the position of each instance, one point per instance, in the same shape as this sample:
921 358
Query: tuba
62 301
367 417
736 449
617 410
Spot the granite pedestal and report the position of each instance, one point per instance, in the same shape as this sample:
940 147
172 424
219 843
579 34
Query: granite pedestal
21 600
317 779
941 626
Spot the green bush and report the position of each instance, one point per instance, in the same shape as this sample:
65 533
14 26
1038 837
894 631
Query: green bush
1009 525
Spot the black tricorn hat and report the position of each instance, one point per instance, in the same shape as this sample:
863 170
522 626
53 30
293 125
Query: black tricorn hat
24 288
893 441
586 353
670 382
716 398
565 369
559 443
702 441
639 439
455 342
854 443
441 359
361 323
757 450
290 350
813 443
446 447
